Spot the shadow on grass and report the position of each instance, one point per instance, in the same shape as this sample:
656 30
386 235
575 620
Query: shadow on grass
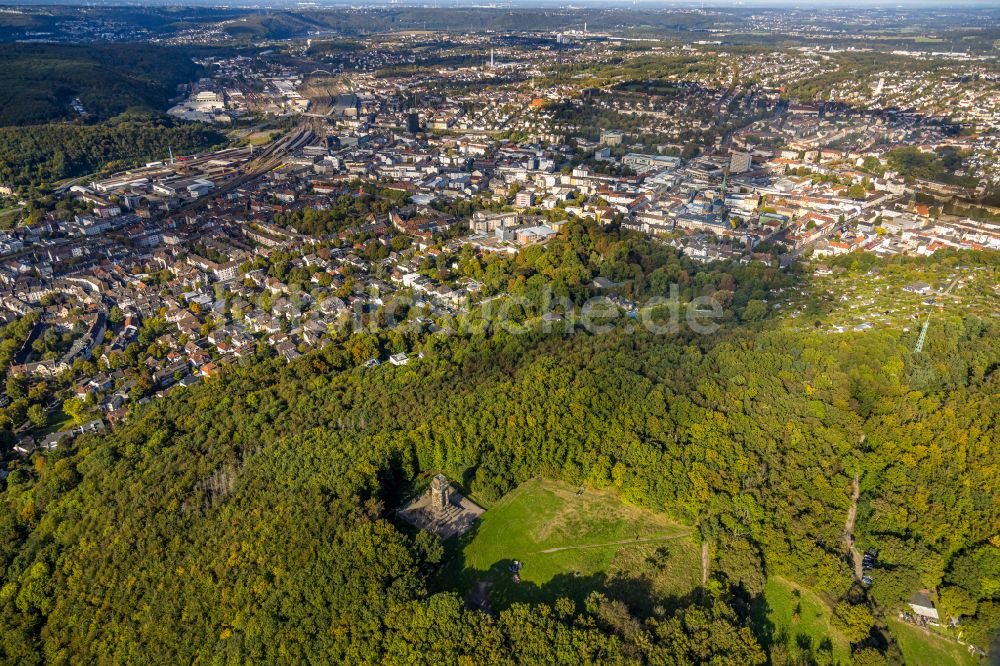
495 589
761 624
782 643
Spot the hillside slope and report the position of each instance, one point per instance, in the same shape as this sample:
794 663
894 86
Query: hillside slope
253 517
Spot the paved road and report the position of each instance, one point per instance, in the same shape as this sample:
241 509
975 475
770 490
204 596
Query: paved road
952 285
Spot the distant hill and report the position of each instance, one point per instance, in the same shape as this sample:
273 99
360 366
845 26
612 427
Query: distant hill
38 82
272 25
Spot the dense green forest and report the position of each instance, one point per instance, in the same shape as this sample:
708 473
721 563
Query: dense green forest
37 155
122 86
252 519
38 81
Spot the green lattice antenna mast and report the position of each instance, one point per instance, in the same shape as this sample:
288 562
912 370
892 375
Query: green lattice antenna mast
923 336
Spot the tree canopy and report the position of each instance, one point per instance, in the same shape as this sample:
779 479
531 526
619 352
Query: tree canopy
252 517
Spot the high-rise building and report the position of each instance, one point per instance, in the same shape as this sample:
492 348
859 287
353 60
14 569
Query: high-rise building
524 199
739 162
413 122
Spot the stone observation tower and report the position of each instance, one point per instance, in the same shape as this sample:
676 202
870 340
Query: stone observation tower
440 493
442 509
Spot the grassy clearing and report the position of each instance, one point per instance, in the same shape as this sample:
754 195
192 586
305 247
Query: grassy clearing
594 542
58 421
258 138
9 217
810 629
921 647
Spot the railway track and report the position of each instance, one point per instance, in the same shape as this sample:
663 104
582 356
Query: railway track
269 159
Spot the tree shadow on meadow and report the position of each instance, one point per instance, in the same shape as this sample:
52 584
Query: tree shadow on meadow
497 588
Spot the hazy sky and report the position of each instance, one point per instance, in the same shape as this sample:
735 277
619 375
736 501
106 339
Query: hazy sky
642 4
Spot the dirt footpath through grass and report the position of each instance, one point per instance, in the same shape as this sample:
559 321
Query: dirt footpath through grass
616 543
